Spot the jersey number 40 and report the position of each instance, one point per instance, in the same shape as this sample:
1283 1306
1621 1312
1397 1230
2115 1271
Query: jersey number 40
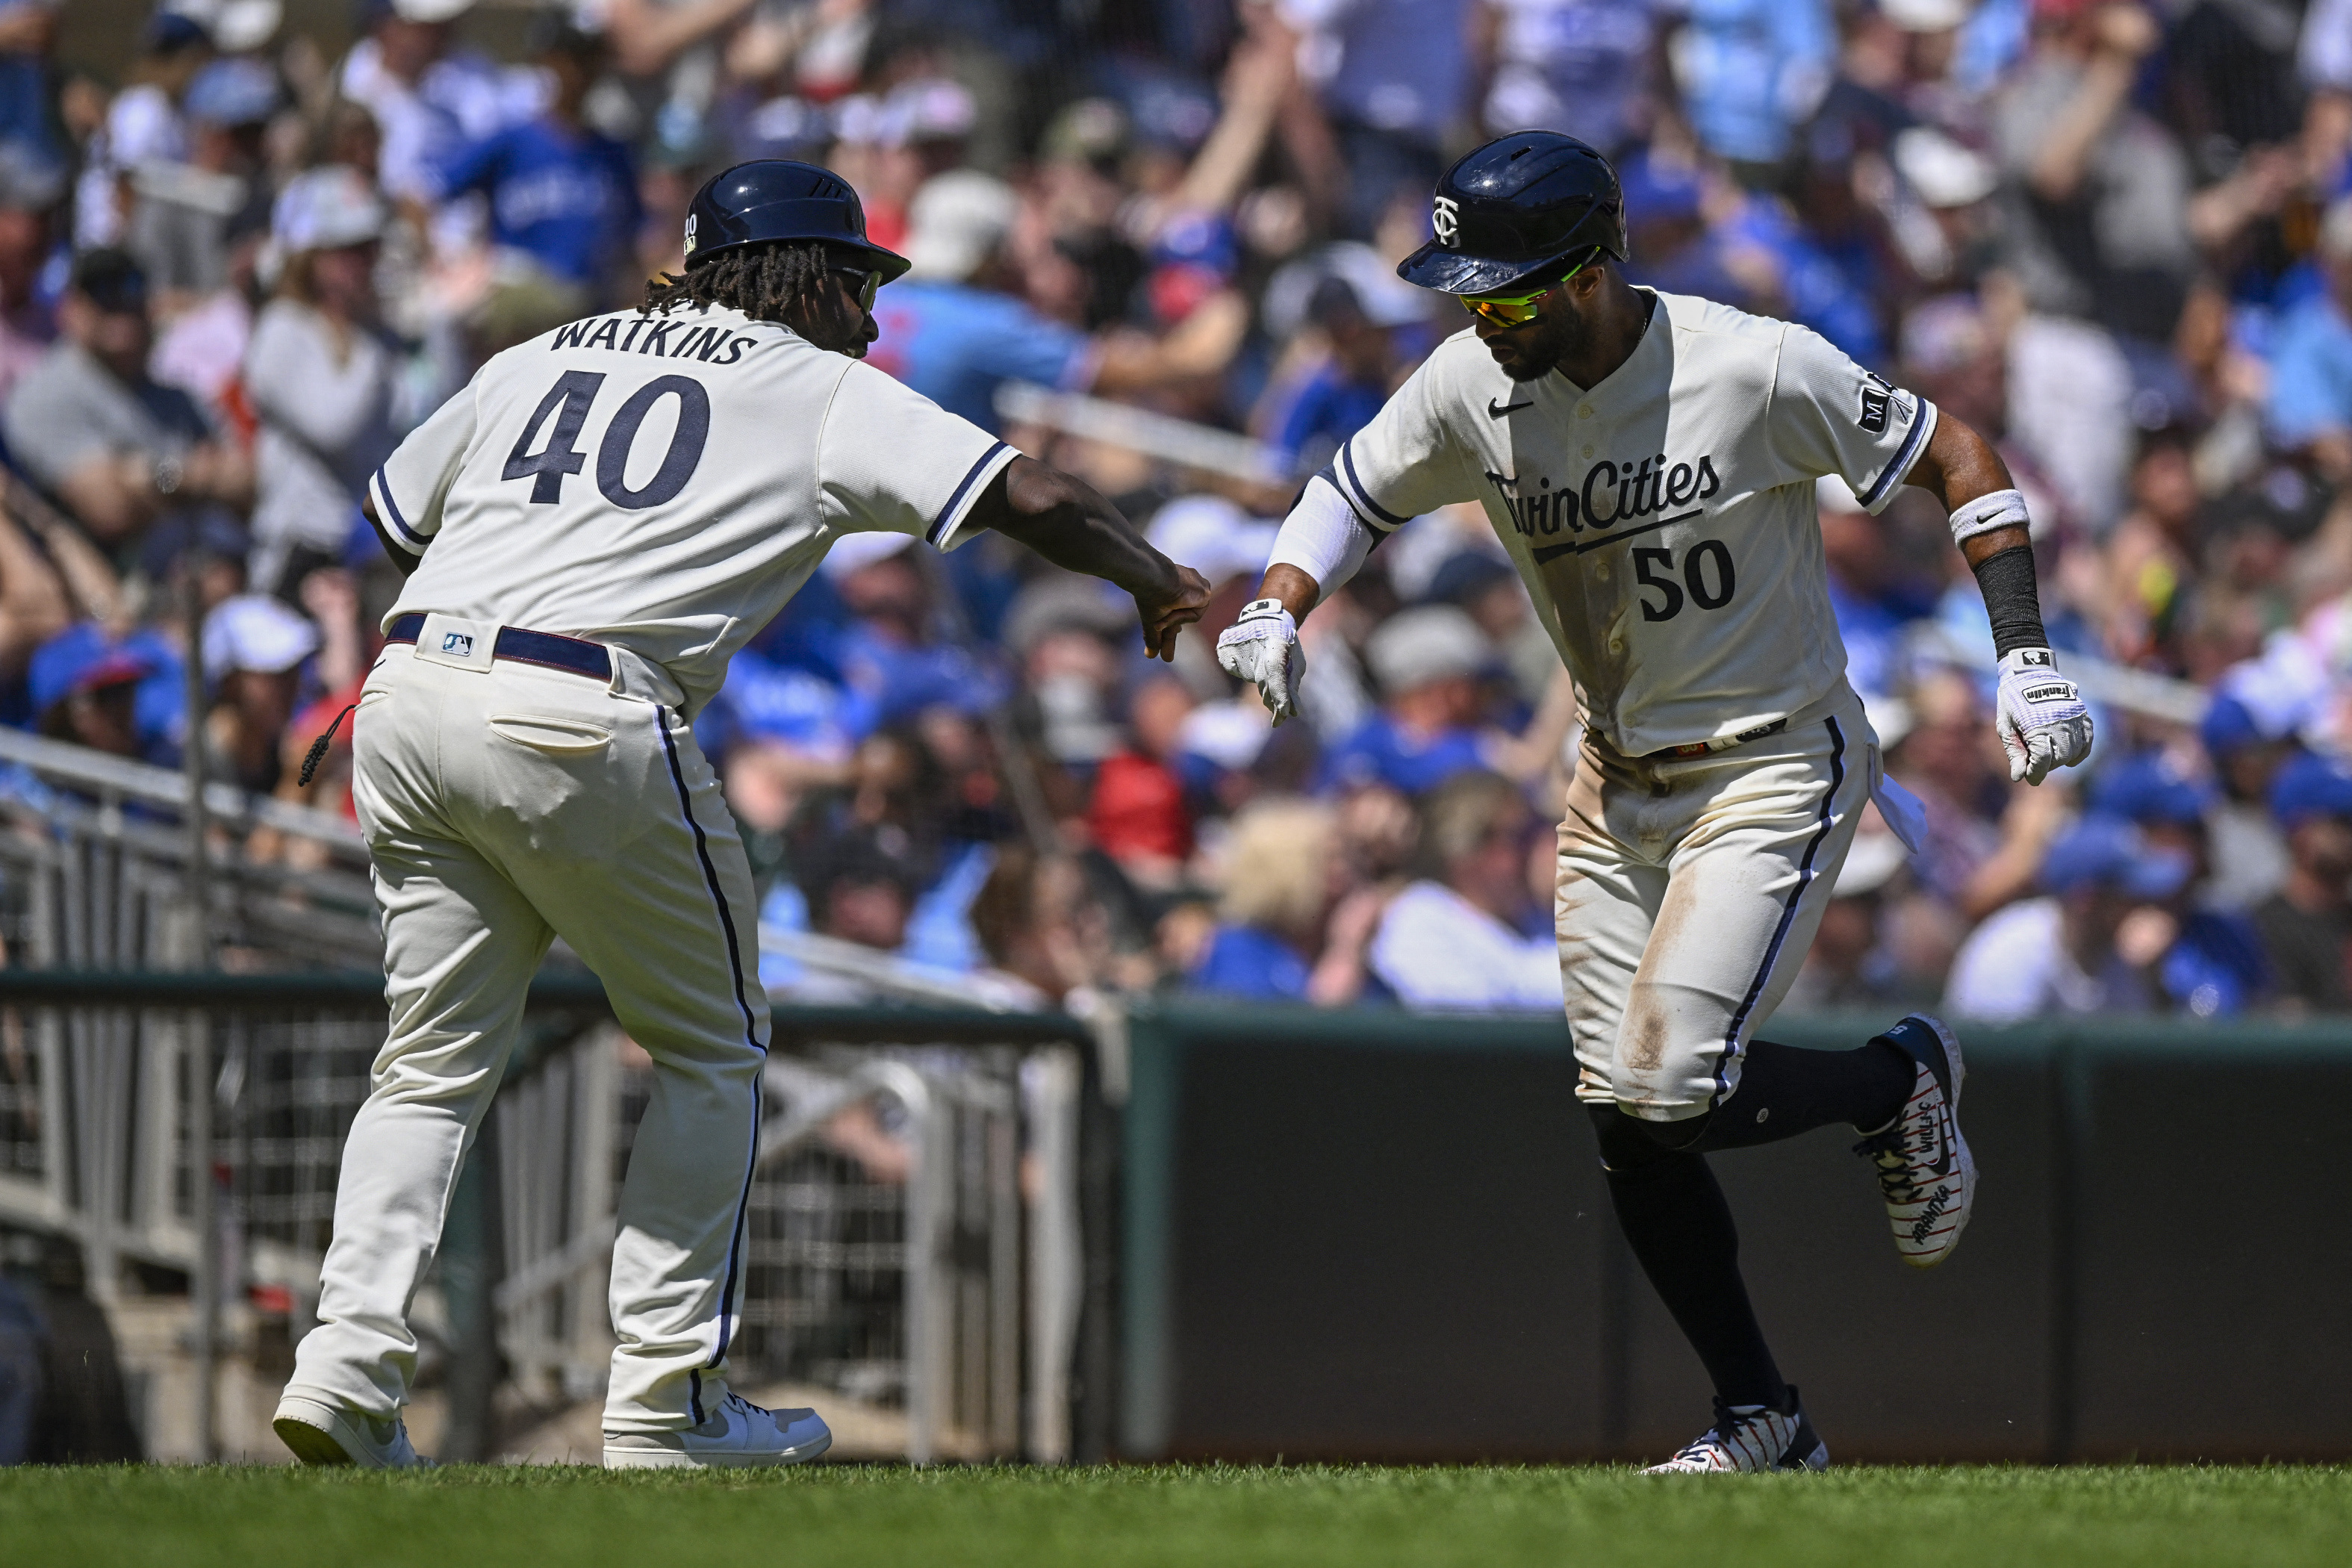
569 399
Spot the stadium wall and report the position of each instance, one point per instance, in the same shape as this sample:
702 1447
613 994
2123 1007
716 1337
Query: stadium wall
1375 1235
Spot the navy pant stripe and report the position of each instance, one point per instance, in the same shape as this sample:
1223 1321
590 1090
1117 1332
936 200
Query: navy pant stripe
751 1038
1789 910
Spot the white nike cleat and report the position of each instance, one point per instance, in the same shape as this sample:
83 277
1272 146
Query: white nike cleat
739 1432
321 1433
1751 1438
1924 1167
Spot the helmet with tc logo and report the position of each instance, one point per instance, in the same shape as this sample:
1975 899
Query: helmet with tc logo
1514 209
772 199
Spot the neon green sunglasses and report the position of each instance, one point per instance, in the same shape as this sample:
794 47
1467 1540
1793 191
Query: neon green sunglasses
1519 310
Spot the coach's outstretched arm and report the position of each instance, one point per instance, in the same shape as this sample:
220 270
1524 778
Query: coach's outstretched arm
1068 521
2042 721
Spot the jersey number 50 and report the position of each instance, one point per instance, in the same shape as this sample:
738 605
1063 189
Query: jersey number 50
569 399
1707 558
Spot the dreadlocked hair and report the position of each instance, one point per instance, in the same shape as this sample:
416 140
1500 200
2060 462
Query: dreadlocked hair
761 281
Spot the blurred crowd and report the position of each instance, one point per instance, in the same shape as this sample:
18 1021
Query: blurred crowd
239 262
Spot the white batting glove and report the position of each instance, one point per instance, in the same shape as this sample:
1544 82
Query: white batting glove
1261 648
2041 720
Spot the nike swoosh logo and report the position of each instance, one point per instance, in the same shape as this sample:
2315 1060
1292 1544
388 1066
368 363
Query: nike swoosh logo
1496 410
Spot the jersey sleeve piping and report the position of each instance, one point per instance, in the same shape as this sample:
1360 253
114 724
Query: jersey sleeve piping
388 510
942 533
1371 510
1922 426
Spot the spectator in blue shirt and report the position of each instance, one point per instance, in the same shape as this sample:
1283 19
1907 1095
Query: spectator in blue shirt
562 197
1753 70
1342 393
1289 927
1429 662
2311 369
956 329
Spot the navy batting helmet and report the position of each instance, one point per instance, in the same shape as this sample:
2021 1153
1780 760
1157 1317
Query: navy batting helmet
778 199
1515 209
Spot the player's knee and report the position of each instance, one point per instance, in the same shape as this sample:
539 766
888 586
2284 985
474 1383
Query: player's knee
1629 1142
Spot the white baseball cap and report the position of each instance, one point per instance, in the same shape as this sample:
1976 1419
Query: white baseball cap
326 208
1926 16
1431 643
1212 536
430 10
956 222
1944 172
259 633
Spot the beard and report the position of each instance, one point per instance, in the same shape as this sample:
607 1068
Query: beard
1554 339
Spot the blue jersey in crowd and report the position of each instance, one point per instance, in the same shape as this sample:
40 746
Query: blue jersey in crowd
567 198
956 344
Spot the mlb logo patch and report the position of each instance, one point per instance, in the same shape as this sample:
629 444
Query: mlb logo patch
457 645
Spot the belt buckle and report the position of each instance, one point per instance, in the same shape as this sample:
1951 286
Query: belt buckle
458 643
1695 749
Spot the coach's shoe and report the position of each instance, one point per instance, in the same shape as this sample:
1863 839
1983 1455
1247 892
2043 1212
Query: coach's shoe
1924 1171
1751 1438
324 1434
739 1432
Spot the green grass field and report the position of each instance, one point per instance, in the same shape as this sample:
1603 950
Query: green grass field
846 1517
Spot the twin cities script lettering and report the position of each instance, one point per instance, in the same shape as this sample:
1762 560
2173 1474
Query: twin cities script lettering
1612 494
635 334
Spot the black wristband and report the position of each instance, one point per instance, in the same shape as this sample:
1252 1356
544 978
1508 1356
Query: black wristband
2006 579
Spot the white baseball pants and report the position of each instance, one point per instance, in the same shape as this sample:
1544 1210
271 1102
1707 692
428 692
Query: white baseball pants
504 807
1689 890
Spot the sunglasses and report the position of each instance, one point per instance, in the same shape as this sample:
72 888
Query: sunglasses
1519 310
866 286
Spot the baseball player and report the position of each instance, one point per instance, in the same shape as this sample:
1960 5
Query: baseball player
1648 460
591 530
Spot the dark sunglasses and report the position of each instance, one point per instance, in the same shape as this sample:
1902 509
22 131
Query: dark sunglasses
868 283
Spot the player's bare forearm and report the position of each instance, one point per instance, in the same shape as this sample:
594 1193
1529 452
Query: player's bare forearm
1071 524
1958 466
1298 591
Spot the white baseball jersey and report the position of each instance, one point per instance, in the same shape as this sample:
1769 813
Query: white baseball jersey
1663 520
667 482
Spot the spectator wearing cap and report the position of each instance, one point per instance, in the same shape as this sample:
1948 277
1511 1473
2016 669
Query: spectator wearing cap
2214 965
254 648
113 694
120 451
1358 369
2076 950
563 203
189 216
2247 748
956 327
2307 925
321 375
1471 935
1429 663
2311 366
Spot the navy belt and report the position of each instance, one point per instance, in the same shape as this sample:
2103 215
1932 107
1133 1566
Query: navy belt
520 647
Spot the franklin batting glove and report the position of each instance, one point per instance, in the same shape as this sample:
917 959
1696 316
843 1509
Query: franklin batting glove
2041 720
1261 648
